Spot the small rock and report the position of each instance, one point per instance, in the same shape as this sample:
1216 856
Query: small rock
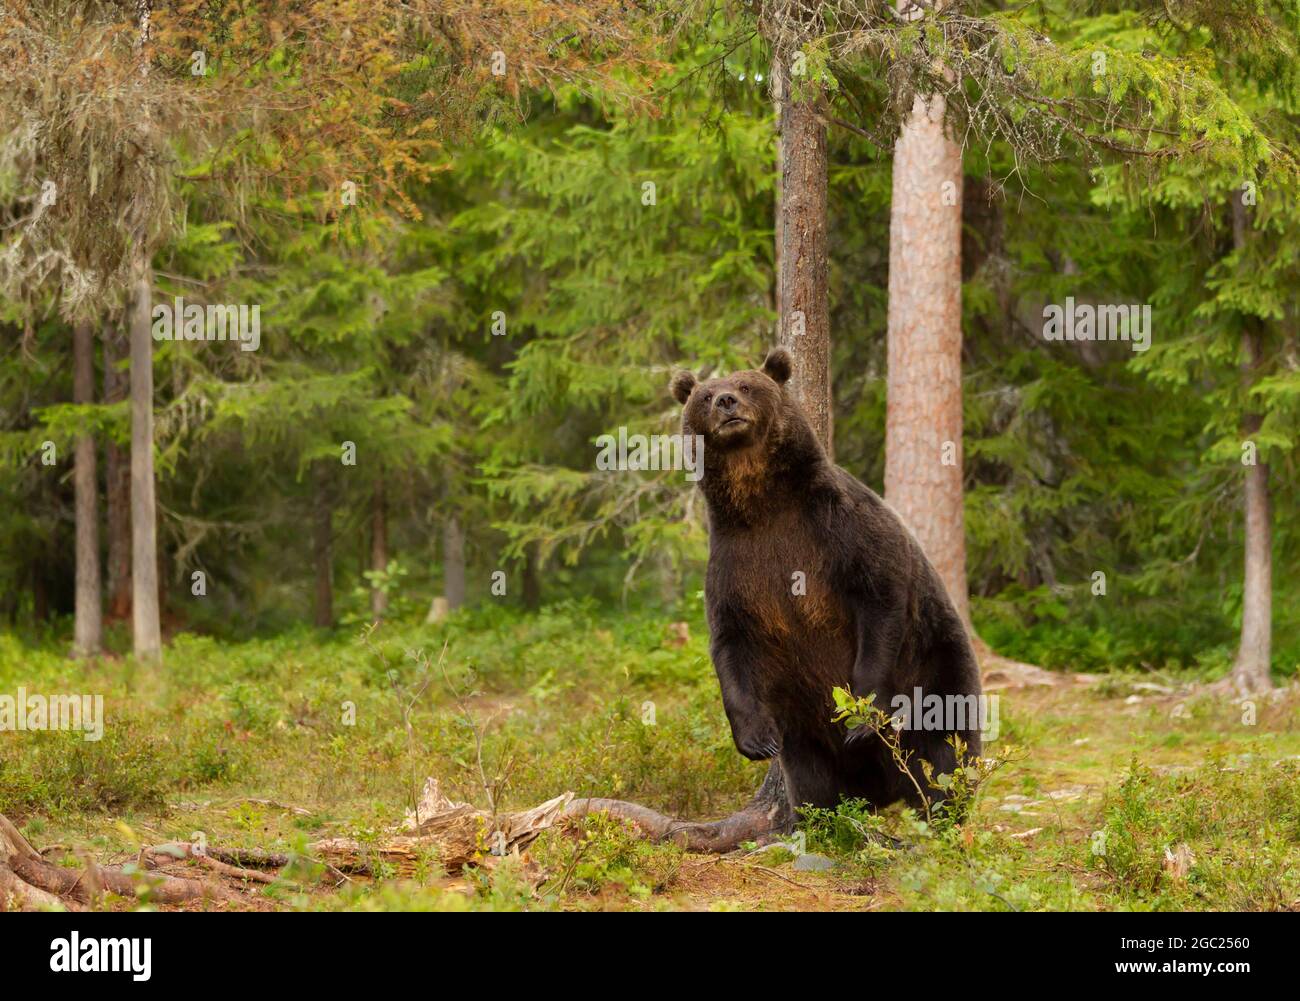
813 863
1021 808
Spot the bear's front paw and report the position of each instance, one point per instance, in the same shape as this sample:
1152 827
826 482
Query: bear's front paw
756 738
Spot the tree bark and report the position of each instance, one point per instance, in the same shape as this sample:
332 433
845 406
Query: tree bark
378 548
923 426
1250 670
117 485
145 615
322 550
802 258
780 85
147 630
88 615
453 562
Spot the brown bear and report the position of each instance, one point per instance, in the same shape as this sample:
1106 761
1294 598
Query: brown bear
814 582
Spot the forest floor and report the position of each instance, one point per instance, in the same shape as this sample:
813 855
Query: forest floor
1131 791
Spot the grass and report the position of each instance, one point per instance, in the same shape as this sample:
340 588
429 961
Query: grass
1119 795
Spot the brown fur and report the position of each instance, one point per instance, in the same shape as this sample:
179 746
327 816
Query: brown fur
875 616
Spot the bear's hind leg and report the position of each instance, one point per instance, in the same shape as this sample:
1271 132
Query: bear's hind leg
812 777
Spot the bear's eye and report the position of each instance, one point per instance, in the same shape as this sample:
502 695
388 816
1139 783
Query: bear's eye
744 388
708 397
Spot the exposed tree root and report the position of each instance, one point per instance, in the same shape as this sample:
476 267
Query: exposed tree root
765 817
440 832
162 855
85 886
1235 688
29 882
437 833
997 671
18 894
12 841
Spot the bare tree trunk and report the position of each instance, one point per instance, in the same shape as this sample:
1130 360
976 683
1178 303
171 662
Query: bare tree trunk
378 548
923 426
88 616
802 258
453 562
670 583
322 551
147 630
780 85
117 485
145 616
1250 670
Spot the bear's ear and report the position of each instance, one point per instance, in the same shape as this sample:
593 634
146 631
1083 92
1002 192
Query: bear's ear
681 386
778 365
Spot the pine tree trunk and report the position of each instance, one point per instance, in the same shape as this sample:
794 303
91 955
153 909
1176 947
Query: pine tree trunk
147 631
780 85
378 548
802 259
453 562
923 426
88 616
117 485
1250 671
322 550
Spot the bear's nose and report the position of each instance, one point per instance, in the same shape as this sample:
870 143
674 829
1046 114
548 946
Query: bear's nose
726 401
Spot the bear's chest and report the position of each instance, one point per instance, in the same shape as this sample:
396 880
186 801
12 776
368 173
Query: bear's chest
778 579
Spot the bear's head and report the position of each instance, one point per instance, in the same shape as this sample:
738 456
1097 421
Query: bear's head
739 411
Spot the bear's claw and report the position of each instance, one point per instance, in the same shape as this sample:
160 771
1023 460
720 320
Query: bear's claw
759 749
